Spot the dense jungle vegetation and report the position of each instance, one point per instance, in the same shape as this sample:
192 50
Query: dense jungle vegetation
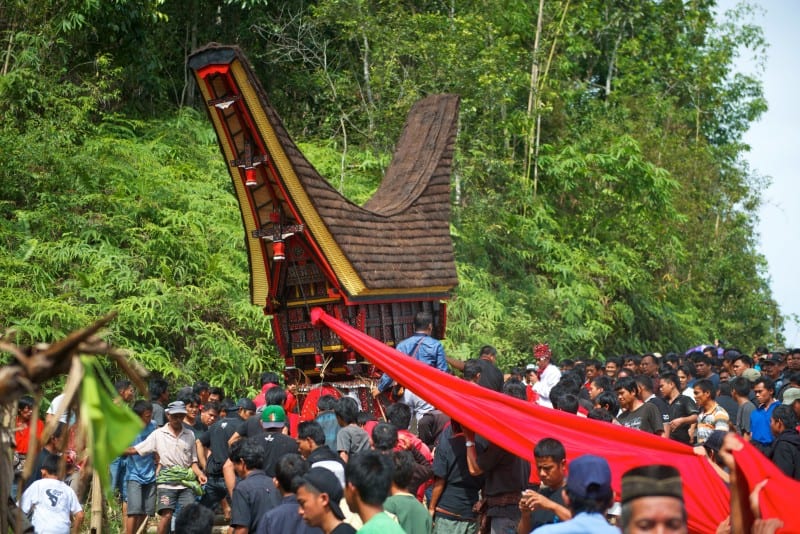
600 199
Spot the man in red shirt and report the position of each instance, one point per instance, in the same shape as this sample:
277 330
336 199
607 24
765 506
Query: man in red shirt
22 434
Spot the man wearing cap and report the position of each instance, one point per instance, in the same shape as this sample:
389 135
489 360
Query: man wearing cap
216 439
785 450
791 398
588 495
772 366
273 421
652 501
319 494
546 376
179 478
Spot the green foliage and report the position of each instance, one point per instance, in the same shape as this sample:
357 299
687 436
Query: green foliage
636 234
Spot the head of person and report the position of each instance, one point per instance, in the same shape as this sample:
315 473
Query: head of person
144 409
346 410
399 414
652 501
472 371
740 387
210 413
791 398
627 391
648 365
702 366
176 411
368 477
567 364
612 367
194 518
542 354
607 400
515 388
782 419
403 471
551 462
247 454
326 403
704 392
288 471
25 407
275 397
125 390
159 390
384 437
566 403
215 394
50 465
318 495
793 360
192 402
685 374
423 322
588 487
764 389
202 389
273 418
310 436
269 377
740 363
245 408
530 370
599 384
631 362
600 414
645 385
669 384
488 352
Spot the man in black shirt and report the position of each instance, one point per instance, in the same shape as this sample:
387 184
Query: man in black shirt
545 504
216 439
682 409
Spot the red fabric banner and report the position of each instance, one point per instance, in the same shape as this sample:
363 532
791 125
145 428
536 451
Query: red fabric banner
517 426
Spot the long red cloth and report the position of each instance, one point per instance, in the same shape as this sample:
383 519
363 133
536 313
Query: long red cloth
517 426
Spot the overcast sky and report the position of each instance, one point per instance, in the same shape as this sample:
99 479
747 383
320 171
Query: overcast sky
775 152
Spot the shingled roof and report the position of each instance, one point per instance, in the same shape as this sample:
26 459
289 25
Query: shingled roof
400 239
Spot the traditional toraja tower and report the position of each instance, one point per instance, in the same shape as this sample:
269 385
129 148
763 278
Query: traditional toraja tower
373 266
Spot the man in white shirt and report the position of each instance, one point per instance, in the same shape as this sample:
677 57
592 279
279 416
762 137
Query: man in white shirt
546 377
53 504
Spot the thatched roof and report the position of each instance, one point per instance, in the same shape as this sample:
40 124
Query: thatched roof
399 241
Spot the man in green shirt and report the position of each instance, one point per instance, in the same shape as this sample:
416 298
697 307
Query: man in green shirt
368 478
411 514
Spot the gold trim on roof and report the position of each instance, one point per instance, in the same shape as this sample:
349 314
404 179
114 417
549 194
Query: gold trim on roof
259 278
339 263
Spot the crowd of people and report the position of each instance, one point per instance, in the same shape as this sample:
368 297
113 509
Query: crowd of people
264 468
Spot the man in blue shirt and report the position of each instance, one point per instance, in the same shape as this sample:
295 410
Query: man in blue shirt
420 346
140 474
760 433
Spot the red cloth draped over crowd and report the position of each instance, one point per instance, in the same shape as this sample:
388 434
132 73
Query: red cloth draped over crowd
517 426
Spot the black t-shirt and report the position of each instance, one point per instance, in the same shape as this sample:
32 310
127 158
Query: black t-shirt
253 496
461 488
491 377
682 406
277 445
251 427
663 407
216 439
545 517
344 528
505 473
